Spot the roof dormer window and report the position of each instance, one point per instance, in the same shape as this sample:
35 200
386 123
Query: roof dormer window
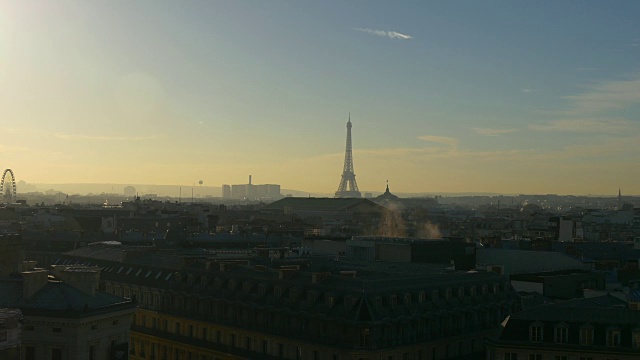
536 332
561 334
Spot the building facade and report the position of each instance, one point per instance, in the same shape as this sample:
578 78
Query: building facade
598 328
63 314
10 333
309 309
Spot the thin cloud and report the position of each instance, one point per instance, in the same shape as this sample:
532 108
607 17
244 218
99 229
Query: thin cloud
11 149
605 96
104 138
589 125
524 90
384 33
445 140
493 132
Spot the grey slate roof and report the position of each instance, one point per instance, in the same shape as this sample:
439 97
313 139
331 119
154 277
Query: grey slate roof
605 309
598 250
527 262
60 296
326 204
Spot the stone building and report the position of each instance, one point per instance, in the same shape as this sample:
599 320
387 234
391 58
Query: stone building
10 330
595 328
310 308
64 316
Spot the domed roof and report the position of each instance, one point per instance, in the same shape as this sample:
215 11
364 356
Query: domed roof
387 196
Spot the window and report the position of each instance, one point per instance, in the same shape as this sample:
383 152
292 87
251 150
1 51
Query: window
29 353
115 322
635 337
56 354
248 343
3 336
447 293
177 328
535 356
510 356
536 332
29 328
204 333
92 352
586 335
558 357
586 358
364 338
561 334
56 330
613 337
94 327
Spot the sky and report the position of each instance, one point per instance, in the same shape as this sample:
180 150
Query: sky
444 96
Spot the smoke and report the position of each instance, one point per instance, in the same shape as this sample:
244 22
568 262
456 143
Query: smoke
392 224
429 230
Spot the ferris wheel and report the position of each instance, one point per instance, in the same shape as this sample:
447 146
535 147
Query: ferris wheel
8 187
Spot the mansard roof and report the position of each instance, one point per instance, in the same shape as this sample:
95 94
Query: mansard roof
324 204
59 298
606 309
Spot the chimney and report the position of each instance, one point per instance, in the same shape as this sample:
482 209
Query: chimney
318 277
84 279
11 255
28 265
33 281
249 179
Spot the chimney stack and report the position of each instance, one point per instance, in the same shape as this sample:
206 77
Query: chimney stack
33 281
83 278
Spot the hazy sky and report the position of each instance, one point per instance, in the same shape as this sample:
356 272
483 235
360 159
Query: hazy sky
450 96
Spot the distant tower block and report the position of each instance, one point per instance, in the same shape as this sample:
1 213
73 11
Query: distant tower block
226 191
348 187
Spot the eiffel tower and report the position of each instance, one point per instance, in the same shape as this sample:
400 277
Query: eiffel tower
348 187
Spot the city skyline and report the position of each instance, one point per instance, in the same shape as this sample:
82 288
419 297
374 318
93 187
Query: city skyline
486 97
